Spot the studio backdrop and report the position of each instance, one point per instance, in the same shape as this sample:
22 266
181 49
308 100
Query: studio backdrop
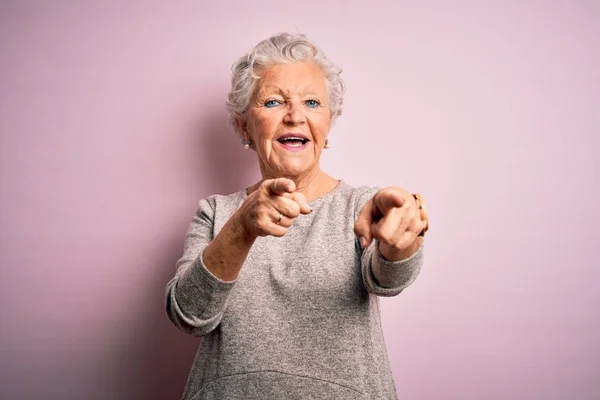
113 126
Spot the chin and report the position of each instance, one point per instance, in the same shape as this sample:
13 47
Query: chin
294 170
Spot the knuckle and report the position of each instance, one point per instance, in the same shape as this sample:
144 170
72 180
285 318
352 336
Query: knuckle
386 235
416 222
386 239
295 209
376 232
266 183
279 233
261 211
260 225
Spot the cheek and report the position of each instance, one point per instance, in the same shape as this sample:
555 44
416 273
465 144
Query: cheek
320 128
263 128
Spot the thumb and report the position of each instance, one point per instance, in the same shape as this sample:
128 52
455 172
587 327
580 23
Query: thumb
362 226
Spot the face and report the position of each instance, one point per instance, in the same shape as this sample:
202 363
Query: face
289 120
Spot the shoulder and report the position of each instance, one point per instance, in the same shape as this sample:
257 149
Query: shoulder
357 195
219 202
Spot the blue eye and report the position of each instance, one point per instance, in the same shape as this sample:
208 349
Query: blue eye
312 103
271 103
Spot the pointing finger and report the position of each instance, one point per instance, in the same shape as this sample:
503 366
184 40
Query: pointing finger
280 186
386 200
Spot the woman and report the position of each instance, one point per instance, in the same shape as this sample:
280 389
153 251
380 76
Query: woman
281 280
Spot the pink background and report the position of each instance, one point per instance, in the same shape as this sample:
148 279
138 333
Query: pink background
113 125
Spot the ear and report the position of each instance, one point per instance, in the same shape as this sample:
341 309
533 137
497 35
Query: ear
242 127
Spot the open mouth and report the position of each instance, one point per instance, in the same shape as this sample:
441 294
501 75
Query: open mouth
293 140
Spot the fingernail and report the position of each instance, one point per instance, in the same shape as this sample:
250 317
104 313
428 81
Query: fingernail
363 241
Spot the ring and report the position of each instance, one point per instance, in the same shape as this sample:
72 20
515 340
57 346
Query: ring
422 213
280 218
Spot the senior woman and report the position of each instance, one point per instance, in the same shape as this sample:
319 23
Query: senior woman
281 279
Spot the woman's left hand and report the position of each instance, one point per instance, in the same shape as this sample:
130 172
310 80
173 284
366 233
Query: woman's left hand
392 217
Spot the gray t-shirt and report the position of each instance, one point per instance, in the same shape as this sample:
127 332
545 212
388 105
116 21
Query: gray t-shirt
302 319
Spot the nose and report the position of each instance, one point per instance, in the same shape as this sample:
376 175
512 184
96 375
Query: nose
295 114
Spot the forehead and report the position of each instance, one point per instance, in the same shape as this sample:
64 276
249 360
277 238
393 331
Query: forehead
293 78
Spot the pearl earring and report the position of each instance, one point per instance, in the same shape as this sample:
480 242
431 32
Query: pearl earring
247 144
326 143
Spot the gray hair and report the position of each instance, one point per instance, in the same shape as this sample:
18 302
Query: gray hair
280 49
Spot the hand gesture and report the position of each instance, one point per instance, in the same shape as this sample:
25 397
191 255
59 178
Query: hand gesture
271 209
393 218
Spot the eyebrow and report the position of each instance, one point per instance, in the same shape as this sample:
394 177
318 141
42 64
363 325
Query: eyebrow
306 91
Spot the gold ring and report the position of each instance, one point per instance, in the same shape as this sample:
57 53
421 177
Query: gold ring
280 218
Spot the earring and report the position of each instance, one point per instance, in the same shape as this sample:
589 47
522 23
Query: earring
326 143
247 144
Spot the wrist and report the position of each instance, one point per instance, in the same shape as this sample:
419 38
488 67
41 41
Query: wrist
391 253
241 230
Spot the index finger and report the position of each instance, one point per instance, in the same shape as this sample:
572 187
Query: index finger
386 200
280 186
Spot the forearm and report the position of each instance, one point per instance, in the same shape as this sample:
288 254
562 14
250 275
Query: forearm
383 277
196 297
226 253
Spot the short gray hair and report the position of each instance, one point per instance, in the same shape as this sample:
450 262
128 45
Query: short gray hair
280 49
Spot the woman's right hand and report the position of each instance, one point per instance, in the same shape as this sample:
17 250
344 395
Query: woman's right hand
271 209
